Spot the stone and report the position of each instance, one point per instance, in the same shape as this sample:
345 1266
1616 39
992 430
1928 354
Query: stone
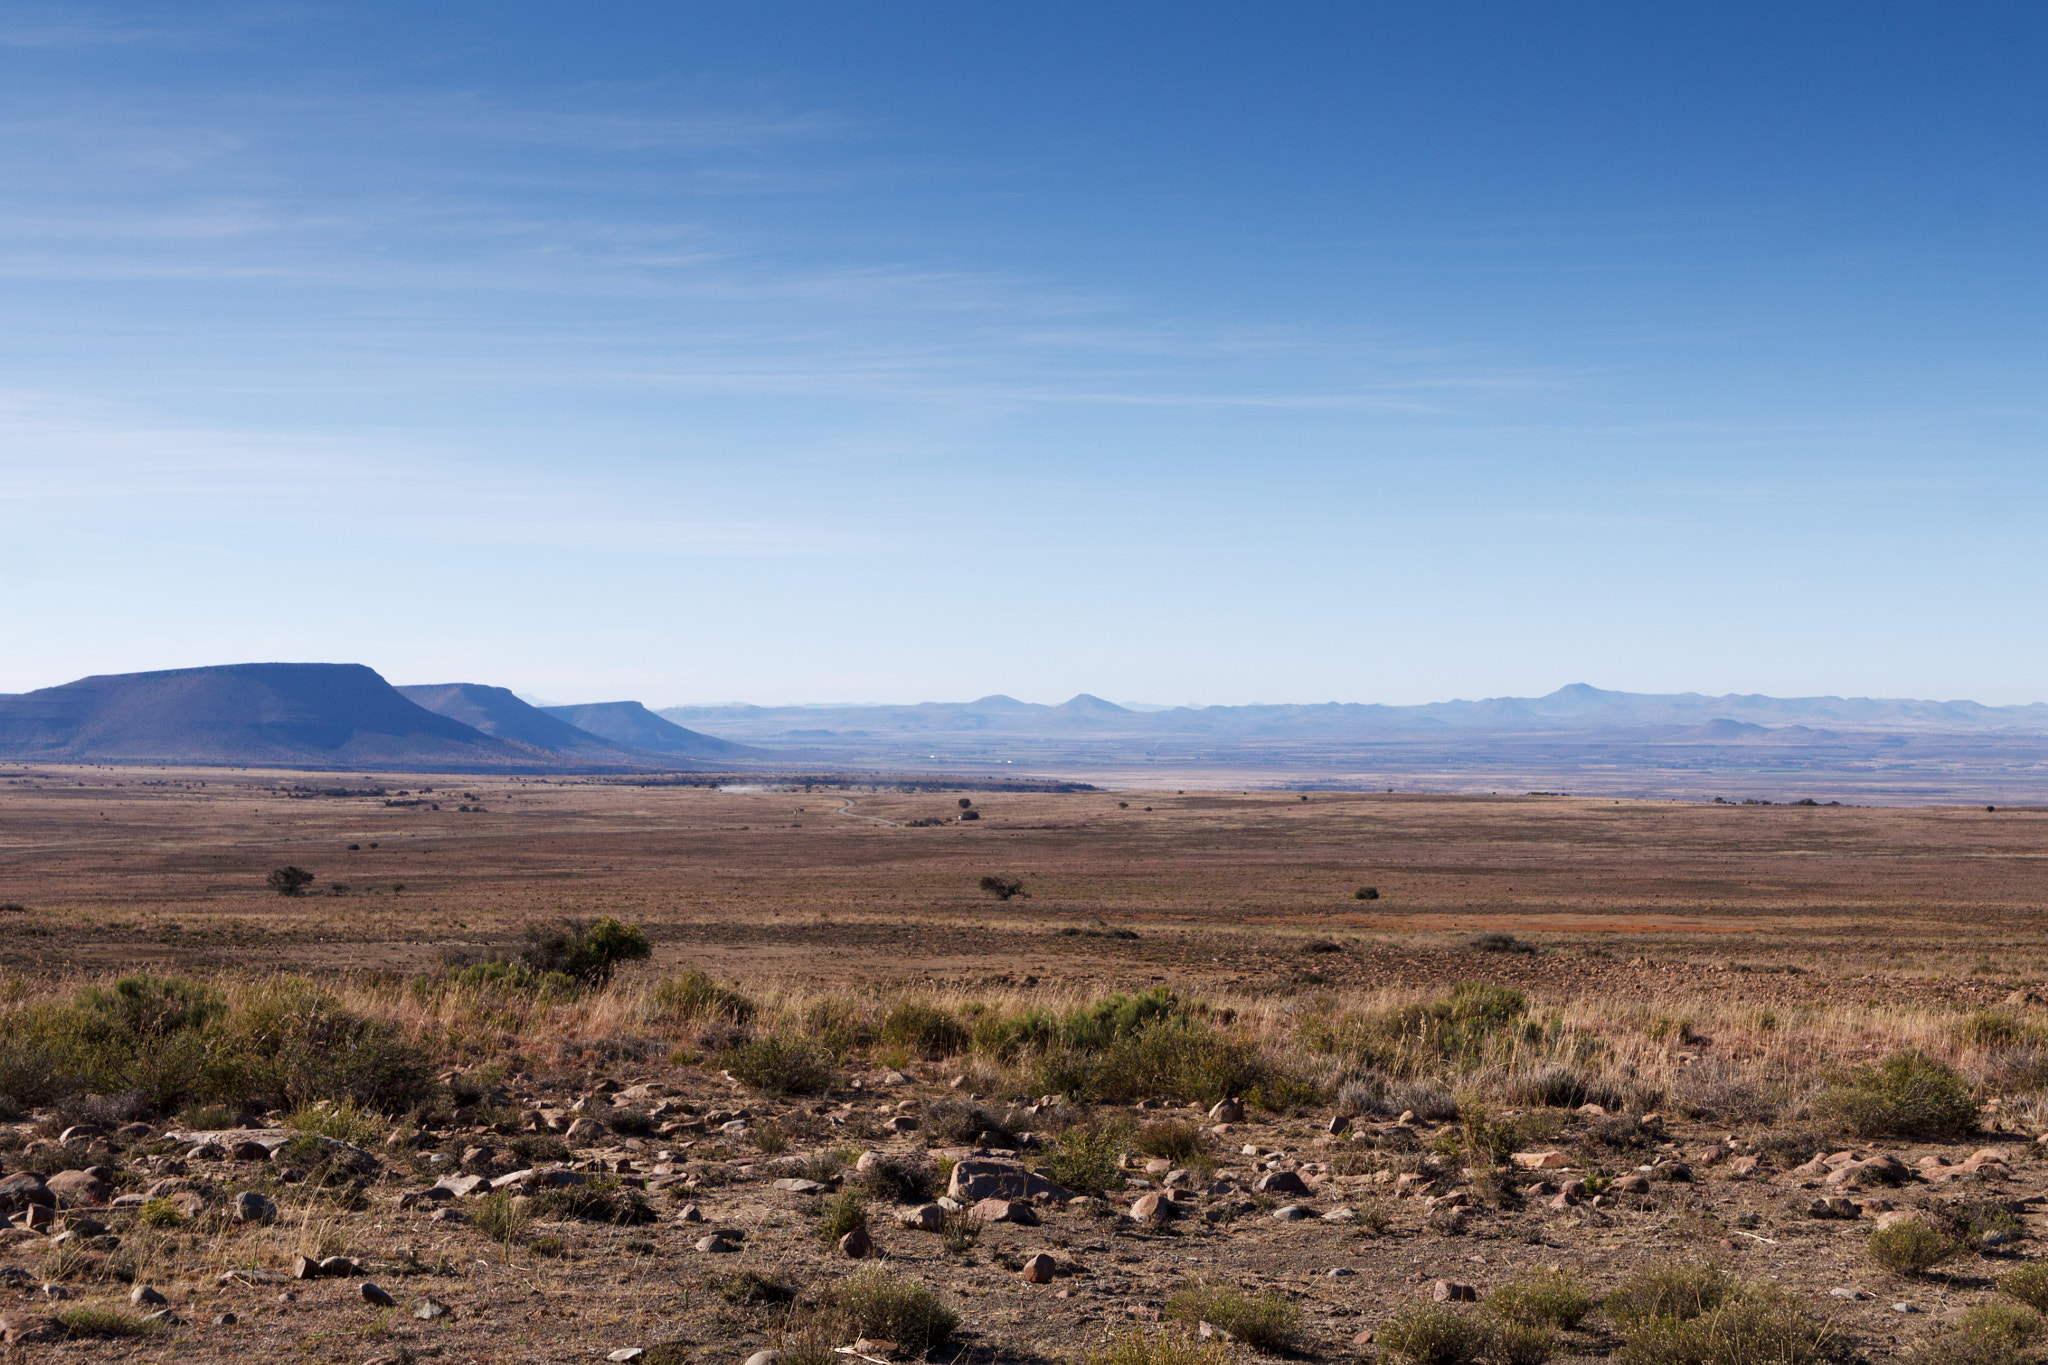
584 1130
857 1245
24 1329
39 1217
715 1245
1563 1199
689 1213
372 1294
79 1132
792 1185
902 1123
1292 1213
1541 1161
1341 1214
428 1309
143 1294
1744 1165
1155 1208
340 1266
1038 1269
923 1218
164 1317
1451 1291
253 1207
1593 1111
1636 1183
249 1150
1854 1295
1339 1272
1832 1208
1280 1182
626 1353
1339 1123
765 1358
976 1178
75 1189
225 1319
1004 1211
1226 1111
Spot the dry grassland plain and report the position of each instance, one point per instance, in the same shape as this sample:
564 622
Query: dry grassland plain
1711 976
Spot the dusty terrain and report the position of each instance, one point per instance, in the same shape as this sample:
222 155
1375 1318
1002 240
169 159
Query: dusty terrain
1872 926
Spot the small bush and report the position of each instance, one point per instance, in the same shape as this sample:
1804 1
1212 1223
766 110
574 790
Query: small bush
347 1122
1909 1095
1085 1157
1003 888
1436 1335
1134 1346
1751 1328
1910 1247
2028 1284
1176 1140
1550 1301
923 1029
750 1287
554 1248
289 881
1265 1322
105 1324
1367 893
497 1218
586 952
841 1214
1557 1086
777 1065
899 1180
693 997
594 1201
1501 943
874 1303
1669 1291
160 1213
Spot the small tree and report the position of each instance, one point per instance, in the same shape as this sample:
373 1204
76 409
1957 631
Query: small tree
965 803
1002 888
289 881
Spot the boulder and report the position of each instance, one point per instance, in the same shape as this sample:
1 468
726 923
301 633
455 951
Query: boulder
375 1295
923 1218
1155 1208
1281 1182
253 1207
1039 1269
19 1191
1004 1211
1293 1213
715 1245
792 1185
1227 1111
1541 1161
857 1245
1451 1291
977 1178
25 1329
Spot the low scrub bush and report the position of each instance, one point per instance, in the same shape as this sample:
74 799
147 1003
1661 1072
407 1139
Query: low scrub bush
1266 1322
693 997
963 1121
1908 1095
2028 1284
923 1030
779 1065
1752 1328
1176 1140
589 952
1910 1247
1501 943
1988 1334
1135 1346
1669 1291
1085 1157
841 1214
900 1180
496 1217
1442 1335
106 1324
872 1302
1473 1024
594 1201
749 1288
1557 1086
1548 1301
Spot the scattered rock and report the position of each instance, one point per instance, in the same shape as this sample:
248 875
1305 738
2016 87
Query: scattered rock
923 1218
225 1319
1155 1208
1004 1211
1039 1269
372 1294
252 1207
625 1353
715 1244
689 1213
1281 1182
23 1329
1293 1213
1541 1161
1227 1111
74 1189
765 1358
144 1295
428 1309
857 1245
1451 1291
792 1185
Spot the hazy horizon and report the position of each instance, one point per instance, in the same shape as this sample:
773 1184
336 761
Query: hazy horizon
790 350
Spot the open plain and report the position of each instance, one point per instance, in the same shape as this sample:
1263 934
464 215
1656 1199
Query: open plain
827 976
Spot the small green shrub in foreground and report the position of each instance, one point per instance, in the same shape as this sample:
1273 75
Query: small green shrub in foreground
694 997
777 1065
2028 1284
1909 1095
1265 1322
1910 1247
1548 1301
1134 1346
1442 1335
1989 1334
842 1213
874 1303
1084 1158
1755 1328
106 1324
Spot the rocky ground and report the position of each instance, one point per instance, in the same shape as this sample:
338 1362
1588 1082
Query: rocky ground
161 1244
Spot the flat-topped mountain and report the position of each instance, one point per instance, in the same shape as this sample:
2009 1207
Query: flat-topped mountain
630 724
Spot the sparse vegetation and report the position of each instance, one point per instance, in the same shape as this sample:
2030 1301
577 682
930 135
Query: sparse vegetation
1911 1247
1003 888
1267 1322
1909 1095
289 880
875 1303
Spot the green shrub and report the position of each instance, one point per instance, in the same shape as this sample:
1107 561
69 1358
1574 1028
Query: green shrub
1908 1095
1085 1157
749 1287
1995 1030
289 880
1669 1291
294 1043
841 1214
587 952
901 1180
1436 1335
594 1201
874 1303
923 1029
346 1122
498 1218
693 997
777 1065
105 1324
1474 1023
1134 1346
1910 1247
1751 1328
1546 1301
160 1213
2028 1284
1989 1334
1176 1140
1265 1322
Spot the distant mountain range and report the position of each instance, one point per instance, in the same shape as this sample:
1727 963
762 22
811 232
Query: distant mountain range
317 716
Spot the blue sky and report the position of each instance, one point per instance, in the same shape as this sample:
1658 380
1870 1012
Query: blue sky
1189 353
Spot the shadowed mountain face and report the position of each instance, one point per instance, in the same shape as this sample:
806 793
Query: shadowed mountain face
630 724
322 715
500 714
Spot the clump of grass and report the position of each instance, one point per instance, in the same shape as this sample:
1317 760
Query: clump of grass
1501 943
1548 1301
160 1213
594 1201
1911 1247
1908 1095
778 1065
498 1218
1133 1346
1085 1157
1176 1140
923 1029
875 1303
2028 1284
554 1248
1669 1291
105 1324
1266 1322
693 997
1701 1315
1989 1334
346 1122
768 1137
841 1214
959 1233
899 1180
751 1287
1442 1335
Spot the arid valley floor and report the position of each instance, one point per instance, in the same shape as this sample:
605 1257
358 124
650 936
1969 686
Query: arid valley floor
1709 976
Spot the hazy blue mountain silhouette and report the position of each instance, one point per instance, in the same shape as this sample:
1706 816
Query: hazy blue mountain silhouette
633 725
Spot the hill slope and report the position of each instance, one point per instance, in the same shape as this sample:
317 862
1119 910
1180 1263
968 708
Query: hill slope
500 714
320 715
630 724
